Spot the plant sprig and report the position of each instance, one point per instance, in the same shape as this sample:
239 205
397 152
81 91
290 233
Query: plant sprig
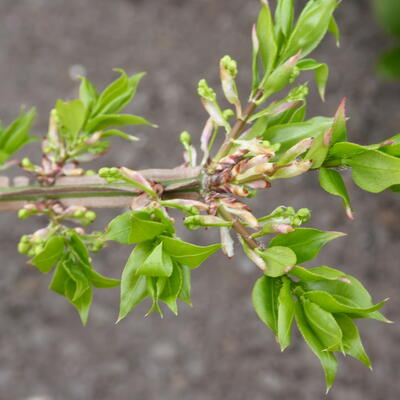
270 140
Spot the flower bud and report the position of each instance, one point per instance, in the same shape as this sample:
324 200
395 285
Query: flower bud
185 138
295 151
228 73
227 242
196 221
293 169
24 214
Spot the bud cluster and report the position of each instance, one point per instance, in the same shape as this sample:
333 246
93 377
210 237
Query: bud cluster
282 220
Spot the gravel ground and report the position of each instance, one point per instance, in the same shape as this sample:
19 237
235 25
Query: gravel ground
218 349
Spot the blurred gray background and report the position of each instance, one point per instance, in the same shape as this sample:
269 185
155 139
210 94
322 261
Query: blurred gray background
218 349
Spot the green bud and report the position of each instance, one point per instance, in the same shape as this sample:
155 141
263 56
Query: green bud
78 213
23 214
90 215
23 248
25 239
26 163
228 113
304 214
185 138
229 65
205 91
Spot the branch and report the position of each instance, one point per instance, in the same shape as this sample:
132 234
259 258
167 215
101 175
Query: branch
93 192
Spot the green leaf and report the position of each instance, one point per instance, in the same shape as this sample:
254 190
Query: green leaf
319 149
339 128
171 288
72 116
79 248
133 286
305 242
323 324
278 259
133 227
321 73
76 273
284 15
353 295
83 304
63 284
331 181
118 94
87 93
388 13
186 253
266 36
316 274
339 304
60 277
327 359
334 29
117 132
158 263
352 344
265 301
184 294
289 134
375 171
285 314
100 281
346 150
389 64
15 136
311 28
153 291
106 121
50 255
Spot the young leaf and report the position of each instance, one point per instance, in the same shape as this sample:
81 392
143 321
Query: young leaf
278 260
285 314
352 344
50 255
118 94
172 288
133 227
87 93
186 253
323 324
117 132
265 300
311 27
100 281
327 359
72 116
15 136
106 121
375 171
334 29
321 73
316 274
184 294
133 286
331 181
289 134
339 304
353 294
157 263
305 242
266 37
284 15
